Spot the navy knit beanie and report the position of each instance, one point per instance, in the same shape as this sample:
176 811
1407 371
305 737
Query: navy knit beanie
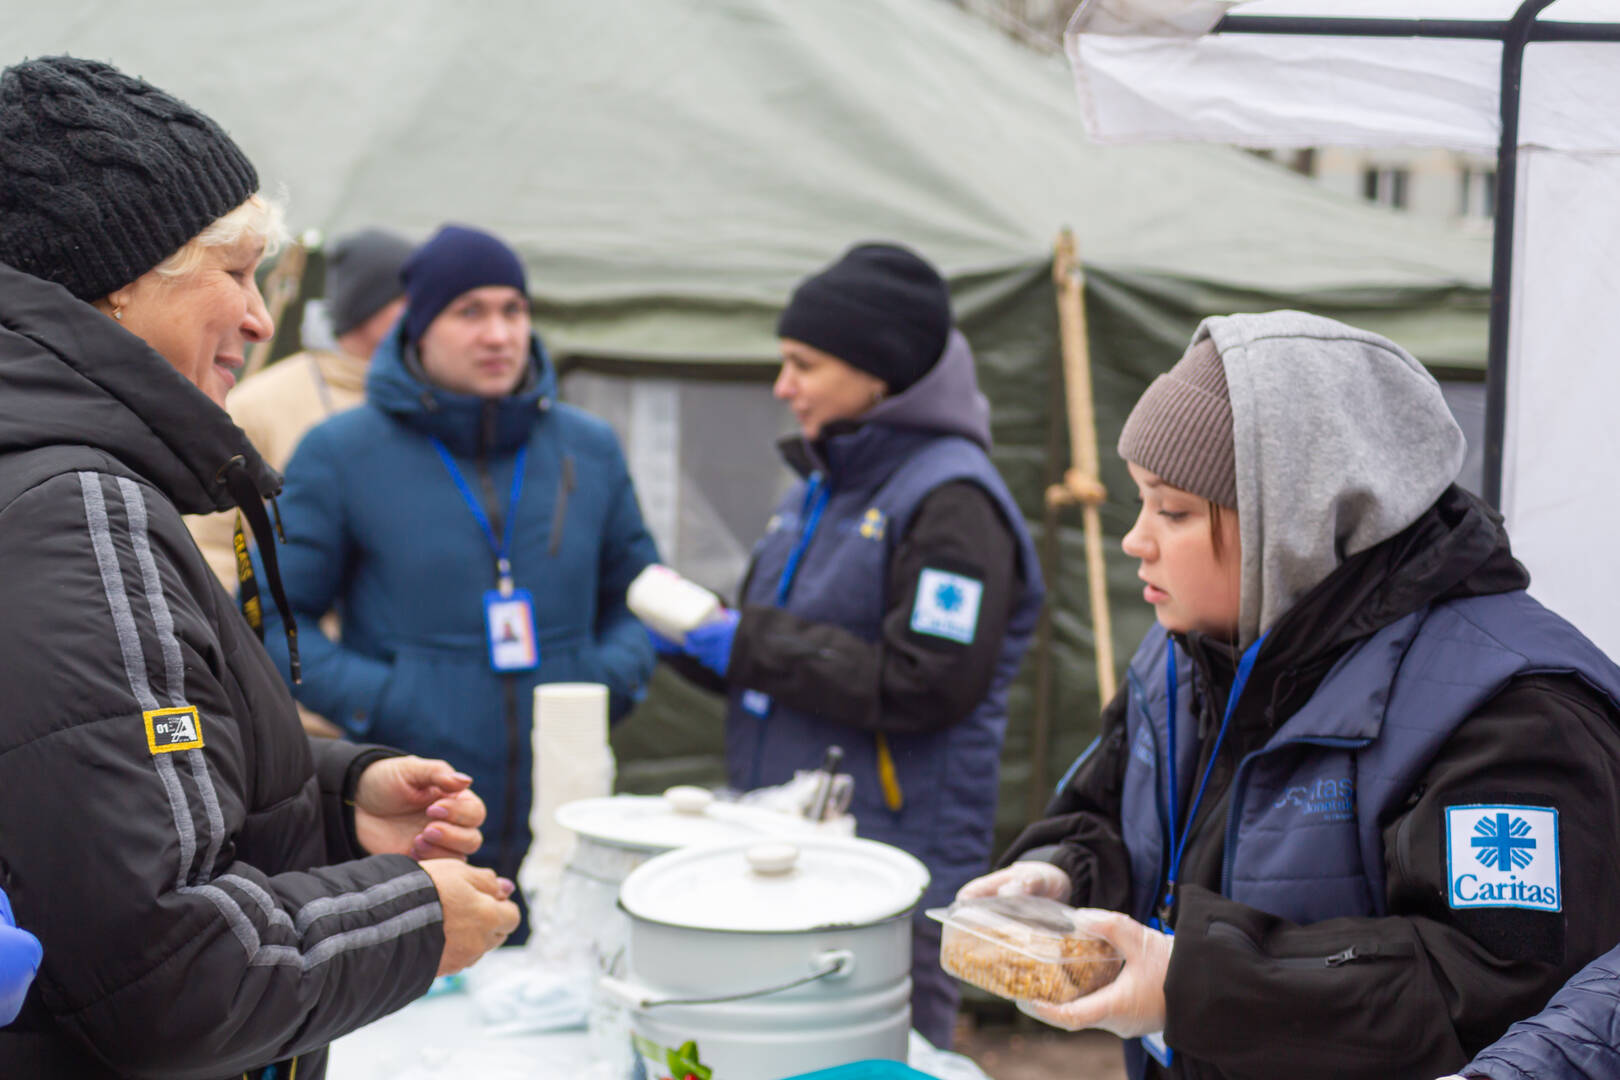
103 175
881 308
455 260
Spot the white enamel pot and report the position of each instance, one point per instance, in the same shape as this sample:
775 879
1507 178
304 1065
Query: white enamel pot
760 961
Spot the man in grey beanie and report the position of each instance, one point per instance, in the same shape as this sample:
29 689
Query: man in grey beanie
364 297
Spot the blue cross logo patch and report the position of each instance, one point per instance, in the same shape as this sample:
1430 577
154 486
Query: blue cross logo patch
1503 856
1504 842
947 606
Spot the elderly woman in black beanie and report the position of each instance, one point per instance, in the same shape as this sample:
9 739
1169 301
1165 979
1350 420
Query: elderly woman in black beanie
214 894
889 604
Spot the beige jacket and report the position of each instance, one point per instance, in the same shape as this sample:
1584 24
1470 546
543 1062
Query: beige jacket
276 408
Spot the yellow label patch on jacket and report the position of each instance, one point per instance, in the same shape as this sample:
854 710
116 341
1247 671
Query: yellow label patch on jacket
168 730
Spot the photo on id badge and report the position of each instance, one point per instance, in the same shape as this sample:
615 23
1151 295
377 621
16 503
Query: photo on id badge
509 620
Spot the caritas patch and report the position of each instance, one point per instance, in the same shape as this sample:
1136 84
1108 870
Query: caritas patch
1501 856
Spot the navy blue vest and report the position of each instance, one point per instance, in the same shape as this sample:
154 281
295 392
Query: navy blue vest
1304 836
877 477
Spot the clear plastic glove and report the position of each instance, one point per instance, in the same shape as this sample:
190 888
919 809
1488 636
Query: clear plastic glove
1020 879
710 644
1133 1004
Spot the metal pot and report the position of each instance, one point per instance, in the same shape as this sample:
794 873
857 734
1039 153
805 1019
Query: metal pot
618 834
615 836
769 960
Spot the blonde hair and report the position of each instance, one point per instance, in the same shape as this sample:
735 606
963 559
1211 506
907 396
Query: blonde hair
258 216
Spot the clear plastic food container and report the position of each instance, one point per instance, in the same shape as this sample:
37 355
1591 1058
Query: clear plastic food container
1026 948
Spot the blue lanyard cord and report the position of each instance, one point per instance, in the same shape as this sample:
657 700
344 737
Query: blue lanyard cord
1178 845
500 548
816 494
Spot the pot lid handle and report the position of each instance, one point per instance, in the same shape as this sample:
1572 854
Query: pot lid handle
687 799
772 859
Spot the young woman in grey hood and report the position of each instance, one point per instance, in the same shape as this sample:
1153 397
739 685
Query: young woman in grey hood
1343 814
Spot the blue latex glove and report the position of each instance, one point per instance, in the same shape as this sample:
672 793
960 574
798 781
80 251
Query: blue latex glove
710 644
662 645
20 954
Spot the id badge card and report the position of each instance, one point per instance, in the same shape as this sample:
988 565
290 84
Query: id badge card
509 622
1154 1044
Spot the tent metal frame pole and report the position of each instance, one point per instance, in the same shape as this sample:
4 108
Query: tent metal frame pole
1507 193
1465 29
1514 34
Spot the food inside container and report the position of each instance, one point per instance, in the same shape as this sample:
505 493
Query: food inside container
1027 948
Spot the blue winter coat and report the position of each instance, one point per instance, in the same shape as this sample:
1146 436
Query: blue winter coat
1576 1037
377 529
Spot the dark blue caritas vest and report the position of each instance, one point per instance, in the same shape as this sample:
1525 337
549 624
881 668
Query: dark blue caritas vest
1304 838
876 477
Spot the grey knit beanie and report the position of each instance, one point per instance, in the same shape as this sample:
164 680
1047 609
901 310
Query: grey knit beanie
103 175
1181 428
363 276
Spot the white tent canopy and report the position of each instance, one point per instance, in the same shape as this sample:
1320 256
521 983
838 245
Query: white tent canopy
1154 70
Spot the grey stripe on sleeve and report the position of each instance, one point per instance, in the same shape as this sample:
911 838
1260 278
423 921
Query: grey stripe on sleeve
162 619
112 582
391 889
267 904
210 798
187 832
129 645
259 954
174 670
387 930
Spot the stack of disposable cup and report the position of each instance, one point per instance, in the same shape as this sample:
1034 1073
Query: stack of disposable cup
572 760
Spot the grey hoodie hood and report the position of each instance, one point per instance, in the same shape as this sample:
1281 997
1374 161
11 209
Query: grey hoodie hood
1342 440
946 400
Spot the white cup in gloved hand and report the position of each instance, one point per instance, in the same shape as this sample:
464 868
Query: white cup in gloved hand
1020 879
1133 1004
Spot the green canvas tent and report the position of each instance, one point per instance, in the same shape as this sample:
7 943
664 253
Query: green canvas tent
669 168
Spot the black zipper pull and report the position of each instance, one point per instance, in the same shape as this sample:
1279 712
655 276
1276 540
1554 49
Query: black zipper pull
564 486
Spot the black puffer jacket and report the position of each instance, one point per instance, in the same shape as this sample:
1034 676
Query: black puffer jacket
1440 983
166 829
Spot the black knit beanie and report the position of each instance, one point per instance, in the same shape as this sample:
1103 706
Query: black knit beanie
103 175
880 308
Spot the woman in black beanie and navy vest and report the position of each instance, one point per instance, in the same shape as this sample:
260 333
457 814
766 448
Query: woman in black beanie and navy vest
889 603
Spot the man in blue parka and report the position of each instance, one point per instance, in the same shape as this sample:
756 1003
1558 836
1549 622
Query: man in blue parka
475 535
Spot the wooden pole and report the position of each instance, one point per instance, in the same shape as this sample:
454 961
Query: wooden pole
281 285
1040 736
1081 483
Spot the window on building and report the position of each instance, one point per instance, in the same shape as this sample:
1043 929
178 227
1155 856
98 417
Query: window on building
1477 198
1386 185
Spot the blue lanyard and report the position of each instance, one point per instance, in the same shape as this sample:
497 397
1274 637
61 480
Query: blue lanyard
500 548
816 494
1179 845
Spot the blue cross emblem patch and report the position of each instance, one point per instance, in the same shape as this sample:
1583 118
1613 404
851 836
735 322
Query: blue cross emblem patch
947 606
1503 856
